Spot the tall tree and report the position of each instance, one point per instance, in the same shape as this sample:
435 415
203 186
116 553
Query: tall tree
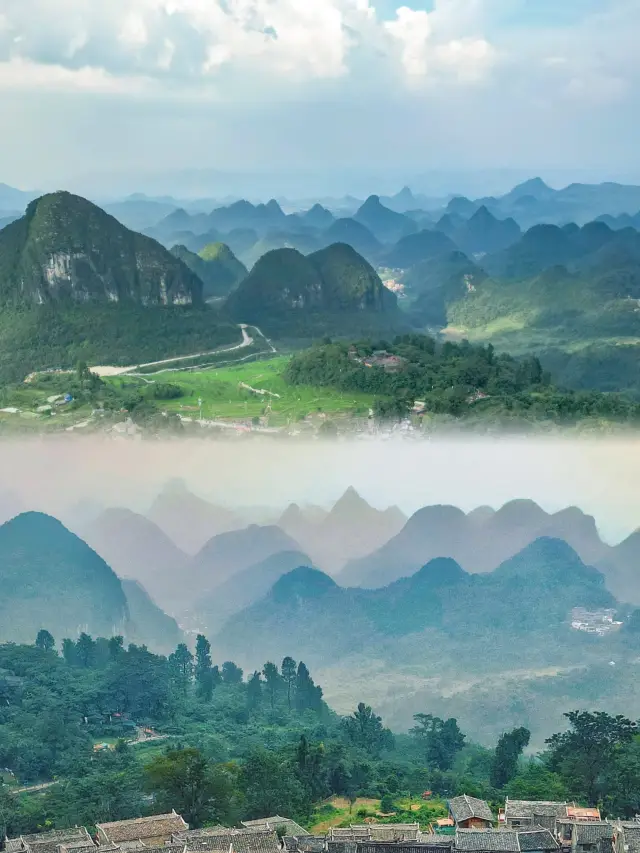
204 680
509 748
269 788
365 729
584 754
231 674
181 666
183 780
254 690
85 650
272 679
289 673
116 647
308 695
441 740
45 640
69 650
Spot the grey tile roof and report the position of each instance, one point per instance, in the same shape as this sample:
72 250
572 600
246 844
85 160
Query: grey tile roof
591 833
536 839
487 840
515 809
241 841
13 845
304 843
155 826
275 822
402 847
186 834
434 840
465 807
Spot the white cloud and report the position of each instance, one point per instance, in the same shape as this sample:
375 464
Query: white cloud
193 42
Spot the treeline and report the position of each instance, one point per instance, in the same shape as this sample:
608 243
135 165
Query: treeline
239 746
458 379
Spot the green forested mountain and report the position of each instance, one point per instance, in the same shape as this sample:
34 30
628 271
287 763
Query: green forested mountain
215 265
533 591
76 285
51 579
333 282
66 247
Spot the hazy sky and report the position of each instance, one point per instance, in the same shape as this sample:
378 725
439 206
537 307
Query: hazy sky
600 476
125 93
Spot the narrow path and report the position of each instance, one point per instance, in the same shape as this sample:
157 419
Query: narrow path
27 789
247 340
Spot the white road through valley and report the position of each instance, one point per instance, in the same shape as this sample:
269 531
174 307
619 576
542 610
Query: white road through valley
247 340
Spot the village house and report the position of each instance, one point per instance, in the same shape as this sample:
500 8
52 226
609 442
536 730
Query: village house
530 840
385 360
154 831
470 813
51 842
545 813
580 836
626 837
275 824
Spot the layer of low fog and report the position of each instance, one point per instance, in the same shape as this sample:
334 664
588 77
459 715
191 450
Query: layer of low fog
74 479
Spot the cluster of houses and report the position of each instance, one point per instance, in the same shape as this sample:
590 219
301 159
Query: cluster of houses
521 827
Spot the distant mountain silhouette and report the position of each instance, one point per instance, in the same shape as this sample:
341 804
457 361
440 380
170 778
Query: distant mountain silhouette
349 530
483 233
229 553
137 548
387 225
479 541
355 234
245 587
188 519
416 248
318 217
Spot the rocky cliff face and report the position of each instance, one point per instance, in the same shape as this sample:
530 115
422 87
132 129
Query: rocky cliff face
66 248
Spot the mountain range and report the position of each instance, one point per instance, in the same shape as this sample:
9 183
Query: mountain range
532 591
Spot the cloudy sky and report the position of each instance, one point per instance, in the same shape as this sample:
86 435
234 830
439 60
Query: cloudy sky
315 93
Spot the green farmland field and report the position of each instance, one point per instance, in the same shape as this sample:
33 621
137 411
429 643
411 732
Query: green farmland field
223 396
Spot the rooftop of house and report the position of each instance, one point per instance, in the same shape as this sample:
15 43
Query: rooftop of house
536 839
465 807
487 840
275 823
236 840
155 826
515 809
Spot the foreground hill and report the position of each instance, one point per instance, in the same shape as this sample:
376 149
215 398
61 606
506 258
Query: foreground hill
70 274
533 591
478 541
138 549
51 579
288 289
65 246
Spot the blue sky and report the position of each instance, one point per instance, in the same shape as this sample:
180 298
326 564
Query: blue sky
129 93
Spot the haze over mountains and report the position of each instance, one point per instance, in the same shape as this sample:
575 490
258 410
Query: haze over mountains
491 589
